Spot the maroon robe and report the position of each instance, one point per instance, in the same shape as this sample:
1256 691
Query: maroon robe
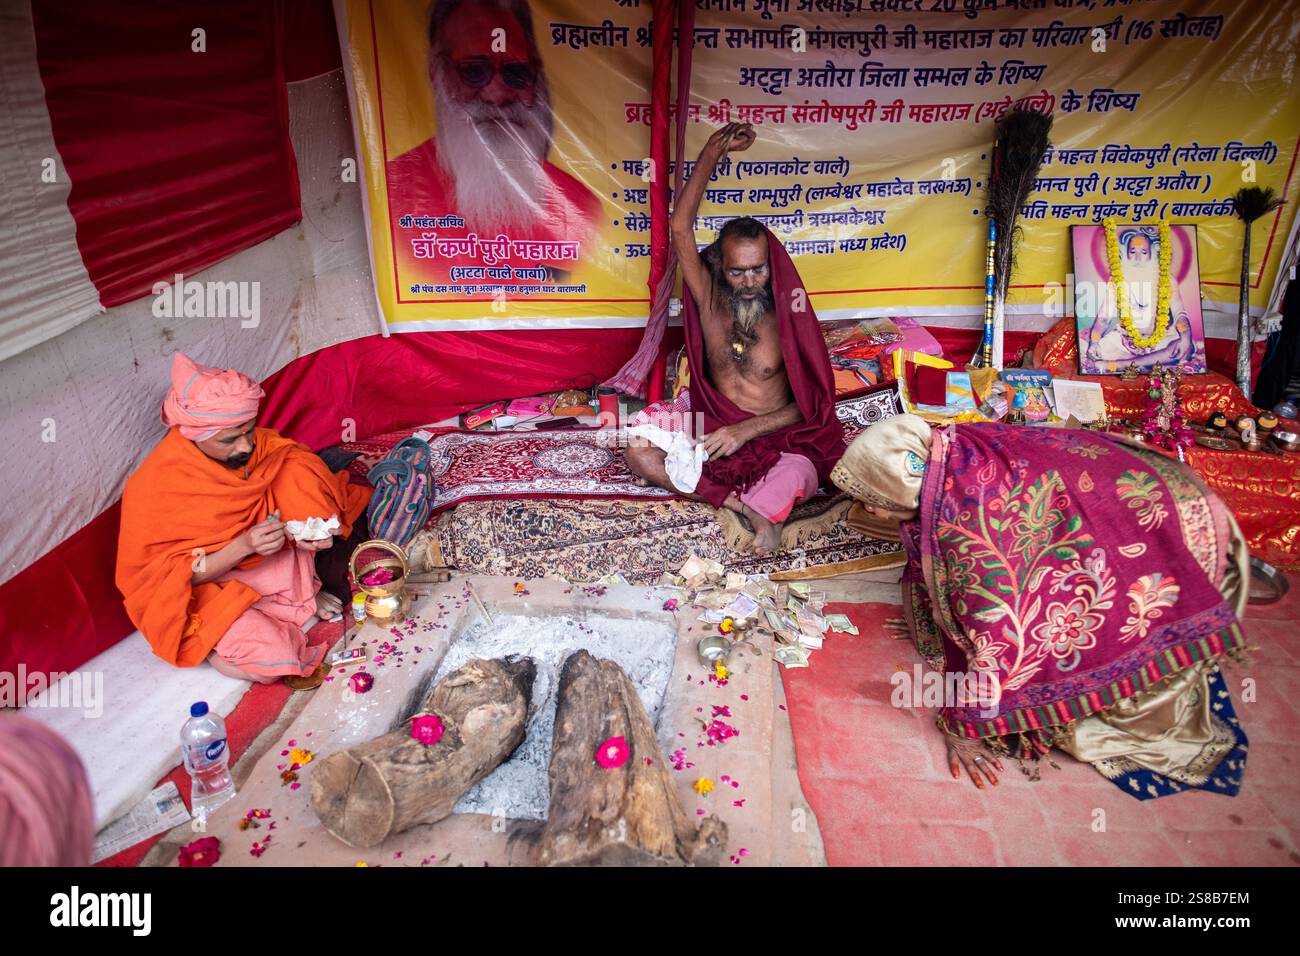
819 437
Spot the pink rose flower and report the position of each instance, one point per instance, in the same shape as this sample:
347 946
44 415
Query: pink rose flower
427 729
378 576
614 752
361 682
202 852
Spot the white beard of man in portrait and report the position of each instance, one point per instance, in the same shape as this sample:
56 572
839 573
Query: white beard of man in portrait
494 154
1142 279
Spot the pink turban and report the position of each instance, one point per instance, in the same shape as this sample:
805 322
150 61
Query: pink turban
203 400
47 817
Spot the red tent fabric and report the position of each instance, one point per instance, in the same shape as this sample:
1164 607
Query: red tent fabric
167 177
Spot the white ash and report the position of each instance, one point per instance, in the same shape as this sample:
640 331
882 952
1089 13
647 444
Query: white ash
360 716
520 788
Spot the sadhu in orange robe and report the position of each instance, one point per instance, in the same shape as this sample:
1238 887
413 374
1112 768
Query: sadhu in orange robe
181 504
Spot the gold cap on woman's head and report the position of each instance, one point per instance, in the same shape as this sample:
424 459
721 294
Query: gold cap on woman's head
885 465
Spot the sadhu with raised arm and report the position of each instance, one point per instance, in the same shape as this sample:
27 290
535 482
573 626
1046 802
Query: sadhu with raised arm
761 398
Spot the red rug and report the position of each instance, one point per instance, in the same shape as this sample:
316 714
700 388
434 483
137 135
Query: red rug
586 463
875 774
256 711
577 463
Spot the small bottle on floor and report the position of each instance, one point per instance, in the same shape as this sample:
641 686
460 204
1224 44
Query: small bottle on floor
206 756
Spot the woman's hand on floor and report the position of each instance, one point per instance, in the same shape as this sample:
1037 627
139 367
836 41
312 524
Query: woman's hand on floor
968 754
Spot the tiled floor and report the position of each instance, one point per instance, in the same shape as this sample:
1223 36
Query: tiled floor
875 774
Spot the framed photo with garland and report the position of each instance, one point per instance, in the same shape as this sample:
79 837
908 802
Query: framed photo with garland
1137 297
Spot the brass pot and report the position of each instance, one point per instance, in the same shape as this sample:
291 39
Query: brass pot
386 604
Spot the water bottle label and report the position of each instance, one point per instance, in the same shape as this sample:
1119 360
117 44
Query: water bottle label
215 749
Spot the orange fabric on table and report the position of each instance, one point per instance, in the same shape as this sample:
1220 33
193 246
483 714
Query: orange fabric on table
1203 394
1262 489
180 504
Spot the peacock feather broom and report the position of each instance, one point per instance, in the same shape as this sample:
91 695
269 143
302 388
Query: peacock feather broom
1249 204
1022 140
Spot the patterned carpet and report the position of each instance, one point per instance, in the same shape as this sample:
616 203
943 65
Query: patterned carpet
583 540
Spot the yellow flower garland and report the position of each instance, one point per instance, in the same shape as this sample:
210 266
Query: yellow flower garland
1121 292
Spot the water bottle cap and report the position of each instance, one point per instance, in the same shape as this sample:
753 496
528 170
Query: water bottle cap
199 709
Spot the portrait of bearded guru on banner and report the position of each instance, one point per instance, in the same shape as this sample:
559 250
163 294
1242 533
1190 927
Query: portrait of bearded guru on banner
485 171
1107 343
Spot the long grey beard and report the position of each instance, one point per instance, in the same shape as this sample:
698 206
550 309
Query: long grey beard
494 156
745 316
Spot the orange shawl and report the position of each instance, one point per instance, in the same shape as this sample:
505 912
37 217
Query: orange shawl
181 503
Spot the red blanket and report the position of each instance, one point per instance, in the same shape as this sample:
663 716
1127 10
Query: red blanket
819 437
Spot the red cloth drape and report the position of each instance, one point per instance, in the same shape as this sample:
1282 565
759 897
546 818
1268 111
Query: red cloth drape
374 385
177 158
660 80
64 609
643 374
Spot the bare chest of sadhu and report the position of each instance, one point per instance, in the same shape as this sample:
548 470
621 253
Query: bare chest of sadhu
758 384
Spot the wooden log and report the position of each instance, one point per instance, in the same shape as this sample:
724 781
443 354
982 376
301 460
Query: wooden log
624 816
365 794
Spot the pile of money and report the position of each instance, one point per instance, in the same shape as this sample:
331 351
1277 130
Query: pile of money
792 614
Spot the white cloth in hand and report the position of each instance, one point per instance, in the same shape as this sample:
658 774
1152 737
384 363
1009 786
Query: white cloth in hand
685 459
313 529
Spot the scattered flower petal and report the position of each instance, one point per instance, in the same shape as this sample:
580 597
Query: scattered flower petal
361 682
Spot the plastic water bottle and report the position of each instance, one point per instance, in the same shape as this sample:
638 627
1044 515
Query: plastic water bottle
203 747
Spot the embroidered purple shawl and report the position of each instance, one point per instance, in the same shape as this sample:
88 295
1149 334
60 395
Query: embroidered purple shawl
1075 568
